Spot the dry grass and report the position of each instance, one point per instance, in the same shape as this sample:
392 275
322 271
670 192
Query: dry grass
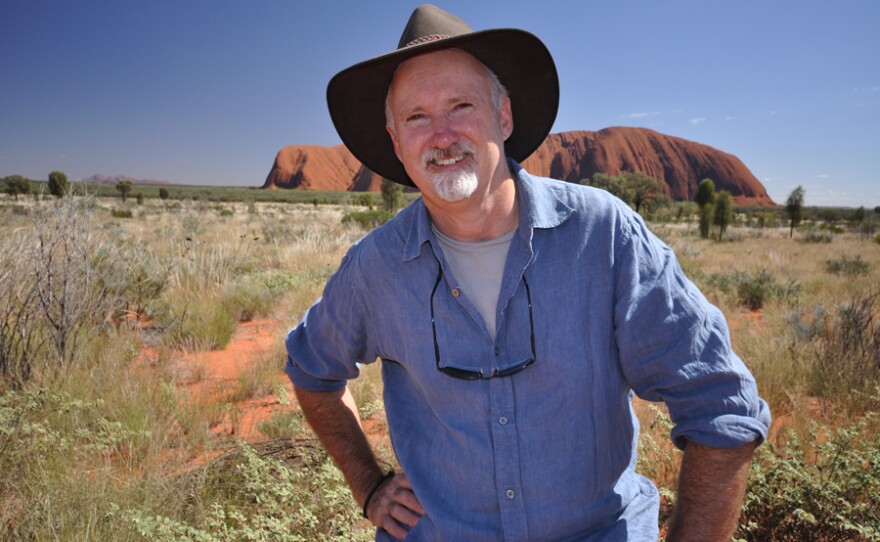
237 256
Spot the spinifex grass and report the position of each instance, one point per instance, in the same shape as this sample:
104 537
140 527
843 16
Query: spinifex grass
114 448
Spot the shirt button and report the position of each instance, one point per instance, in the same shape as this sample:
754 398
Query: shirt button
503 420
510 493
497 350
456 292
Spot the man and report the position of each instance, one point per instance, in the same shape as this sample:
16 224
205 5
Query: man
515 318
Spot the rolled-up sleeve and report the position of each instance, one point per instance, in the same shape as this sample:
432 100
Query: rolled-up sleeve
324 350
675 347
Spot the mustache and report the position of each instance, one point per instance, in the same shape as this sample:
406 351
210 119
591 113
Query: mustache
452 151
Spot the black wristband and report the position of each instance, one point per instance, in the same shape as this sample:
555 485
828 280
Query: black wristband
372 492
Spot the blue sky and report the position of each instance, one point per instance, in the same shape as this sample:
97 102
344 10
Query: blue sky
206 92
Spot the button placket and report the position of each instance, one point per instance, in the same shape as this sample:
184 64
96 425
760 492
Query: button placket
507 460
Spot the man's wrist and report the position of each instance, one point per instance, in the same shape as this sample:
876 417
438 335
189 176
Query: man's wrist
375 489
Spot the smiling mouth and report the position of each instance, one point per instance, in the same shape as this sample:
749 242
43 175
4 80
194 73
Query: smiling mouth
447 157
447 161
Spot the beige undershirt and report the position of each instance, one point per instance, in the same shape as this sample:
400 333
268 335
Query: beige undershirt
479 268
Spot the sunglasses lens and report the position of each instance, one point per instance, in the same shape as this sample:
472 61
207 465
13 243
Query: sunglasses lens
464 374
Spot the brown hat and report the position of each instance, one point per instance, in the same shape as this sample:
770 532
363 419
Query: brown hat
356 96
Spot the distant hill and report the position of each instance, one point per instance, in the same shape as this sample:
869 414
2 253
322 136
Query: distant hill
113 179
569 156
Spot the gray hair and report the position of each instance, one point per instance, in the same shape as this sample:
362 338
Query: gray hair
499 92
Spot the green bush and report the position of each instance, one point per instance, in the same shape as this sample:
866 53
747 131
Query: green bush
259 497
368 219
848 267
752 291
842 349
826 488
121 213
817 237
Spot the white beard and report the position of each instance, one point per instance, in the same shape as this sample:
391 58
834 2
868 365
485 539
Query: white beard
455 185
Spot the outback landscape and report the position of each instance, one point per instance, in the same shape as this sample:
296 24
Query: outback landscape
142 393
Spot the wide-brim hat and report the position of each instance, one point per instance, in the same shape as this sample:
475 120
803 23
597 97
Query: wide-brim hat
356 96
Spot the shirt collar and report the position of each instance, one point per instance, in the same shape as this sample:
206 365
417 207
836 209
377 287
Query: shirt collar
539 207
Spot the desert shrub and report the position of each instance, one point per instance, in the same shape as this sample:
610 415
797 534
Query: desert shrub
199 323
48 441
132 275
51 298
843 347
247 299
121 213
848 267
286 424
368 219
255 496
274 231
751 290
202 266
825 488
816 237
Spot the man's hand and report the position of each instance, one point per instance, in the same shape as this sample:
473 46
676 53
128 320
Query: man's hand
711 486
394 505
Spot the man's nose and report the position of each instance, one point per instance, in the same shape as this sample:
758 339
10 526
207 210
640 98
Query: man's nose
444 133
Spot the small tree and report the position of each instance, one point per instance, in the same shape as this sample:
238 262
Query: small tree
705 193
705 199
58 184
163 193
17 184
643 188
707 216
794 208
124 186
616 185
858 216
723 212
392 195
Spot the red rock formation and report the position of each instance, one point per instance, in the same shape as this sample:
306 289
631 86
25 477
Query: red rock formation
312 167
681 164
570 156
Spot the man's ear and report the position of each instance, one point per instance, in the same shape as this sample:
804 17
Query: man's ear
394 141
505 118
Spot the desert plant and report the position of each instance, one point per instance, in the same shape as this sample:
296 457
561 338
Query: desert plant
841 349
58 184
17 184
824 488
705 193
392 195
124 187
302 498
753 291
121 213
723 212
54 299
368 219
794 208
707 217
848 267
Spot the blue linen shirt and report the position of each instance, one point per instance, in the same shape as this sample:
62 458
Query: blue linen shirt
548 453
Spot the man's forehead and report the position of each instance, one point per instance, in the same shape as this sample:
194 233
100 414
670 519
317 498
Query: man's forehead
432 66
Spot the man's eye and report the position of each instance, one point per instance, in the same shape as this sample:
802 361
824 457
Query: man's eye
415 117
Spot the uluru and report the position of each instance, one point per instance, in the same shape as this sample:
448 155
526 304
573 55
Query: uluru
570 156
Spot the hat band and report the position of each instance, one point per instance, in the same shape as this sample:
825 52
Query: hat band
426 39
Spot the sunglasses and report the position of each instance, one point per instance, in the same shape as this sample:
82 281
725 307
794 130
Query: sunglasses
464 374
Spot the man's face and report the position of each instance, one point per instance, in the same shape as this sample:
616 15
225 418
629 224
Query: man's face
446 130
